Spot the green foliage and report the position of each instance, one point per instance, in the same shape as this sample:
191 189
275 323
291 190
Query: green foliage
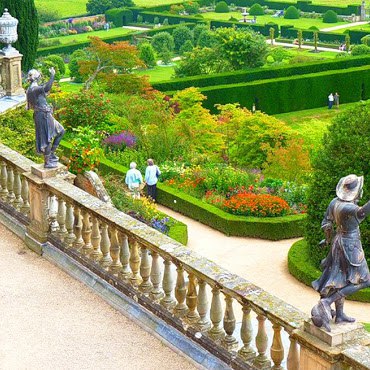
186 47
366 40
86 152
301 267
291 13
84 109
47 15
28 29
191 7
345 151
222 7
180 35
162 41
101 6
360 50
73 65
119 16
256 9
18 132
330 16
146 54
58 62
207 39
279 54
197 30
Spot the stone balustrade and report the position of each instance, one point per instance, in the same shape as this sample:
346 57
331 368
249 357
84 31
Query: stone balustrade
191 293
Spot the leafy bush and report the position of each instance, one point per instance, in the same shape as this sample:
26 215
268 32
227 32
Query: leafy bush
163 41
366 40
291 13
73 65
186 47
330 17
57 61
147 54
180 35
360 50
47 15
256 9
222 7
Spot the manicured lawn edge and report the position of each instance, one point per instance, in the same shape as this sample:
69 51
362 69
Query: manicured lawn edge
178 231
271 228
301 267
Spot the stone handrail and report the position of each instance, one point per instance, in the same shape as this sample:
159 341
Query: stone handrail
127 253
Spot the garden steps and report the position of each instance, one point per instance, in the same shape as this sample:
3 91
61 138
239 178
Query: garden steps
262 262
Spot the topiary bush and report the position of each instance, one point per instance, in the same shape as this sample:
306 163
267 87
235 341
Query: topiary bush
366 40
222 7
330 17
345 151
256 9
291 13
360 50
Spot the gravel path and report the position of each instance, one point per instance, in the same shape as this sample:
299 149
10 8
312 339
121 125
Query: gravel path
49 320
262 262
354 24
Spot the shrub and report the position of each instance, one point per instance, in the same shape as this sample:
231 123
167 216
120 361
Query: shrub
360 50
74 68
186 47
366 40
256 9
222 7
180 35
163 42
330 17
156 20
191 7
147 54
58 61
291 13
47 15
139 19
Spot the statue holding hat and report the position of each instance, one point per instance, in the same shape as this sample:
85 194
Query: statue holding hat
49 131
345 270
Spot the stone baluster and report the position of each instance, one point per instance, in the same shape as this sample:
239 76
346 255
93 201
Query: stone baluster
277 349
10 185
146 285
135 264
246 334
86 233
155 277
25 207
96 253
125 258
70 237
61 218
229 342
4 181
78 243
192 315
216 332
106 259
203 306
261 361
53 212
293 355
180 293
17 190
116 265
168 300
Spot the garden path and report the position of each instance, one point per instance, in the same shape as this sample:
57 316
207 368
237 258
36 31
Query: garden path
354 24
262 262
50 320
308 47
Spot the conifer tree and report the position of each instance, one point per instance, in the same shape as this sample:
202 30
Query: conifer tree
28 28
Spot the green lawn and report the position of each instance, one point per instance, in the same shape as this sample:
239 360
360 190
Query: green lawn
365 28
65 8
71 39
331 2
303 23
158 73
70 86
148 3
367 327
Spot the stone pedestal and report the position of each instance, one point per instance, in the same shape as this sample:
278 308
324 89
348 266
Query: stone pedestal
38 228
11 77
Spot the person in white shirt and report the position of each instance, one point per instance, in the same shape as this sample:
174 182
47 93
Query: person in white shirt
152 173
133 180
330 100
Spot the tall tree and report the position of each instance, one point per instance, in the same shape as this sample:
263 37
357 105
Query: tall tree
28 29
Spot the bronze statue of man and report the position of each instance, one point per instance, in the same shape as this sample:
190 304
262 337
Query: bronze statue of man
345 270
49 131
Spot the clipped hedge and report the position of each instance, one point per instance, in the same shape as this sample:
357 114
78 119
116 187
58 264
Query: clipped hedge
119 16
261 73
172 19
273 228
301 267
293 93
262 29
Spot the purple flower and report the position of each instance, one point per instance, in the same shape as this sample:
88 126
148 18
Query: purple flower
125 138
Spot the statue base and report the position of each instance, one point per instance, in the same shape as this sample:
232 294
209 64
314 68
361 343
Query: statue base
46 173
340 333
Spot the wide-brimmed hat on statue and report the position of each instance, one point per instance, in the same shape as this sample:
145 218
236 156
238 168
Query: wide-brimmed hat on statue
349 187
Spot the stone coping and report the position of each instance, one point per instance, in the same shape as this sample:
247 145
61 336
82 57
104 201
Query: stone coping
14 158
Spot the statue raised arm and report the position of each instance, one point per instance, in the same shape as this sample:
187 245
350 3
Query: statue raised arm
49 131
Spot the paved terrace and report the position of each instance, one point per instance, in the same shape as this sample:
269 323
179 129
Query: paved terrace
50 320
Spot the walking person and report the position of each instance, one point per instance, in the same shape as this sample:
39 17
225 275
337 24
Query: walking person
336 100
152 173
330 100
133 180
